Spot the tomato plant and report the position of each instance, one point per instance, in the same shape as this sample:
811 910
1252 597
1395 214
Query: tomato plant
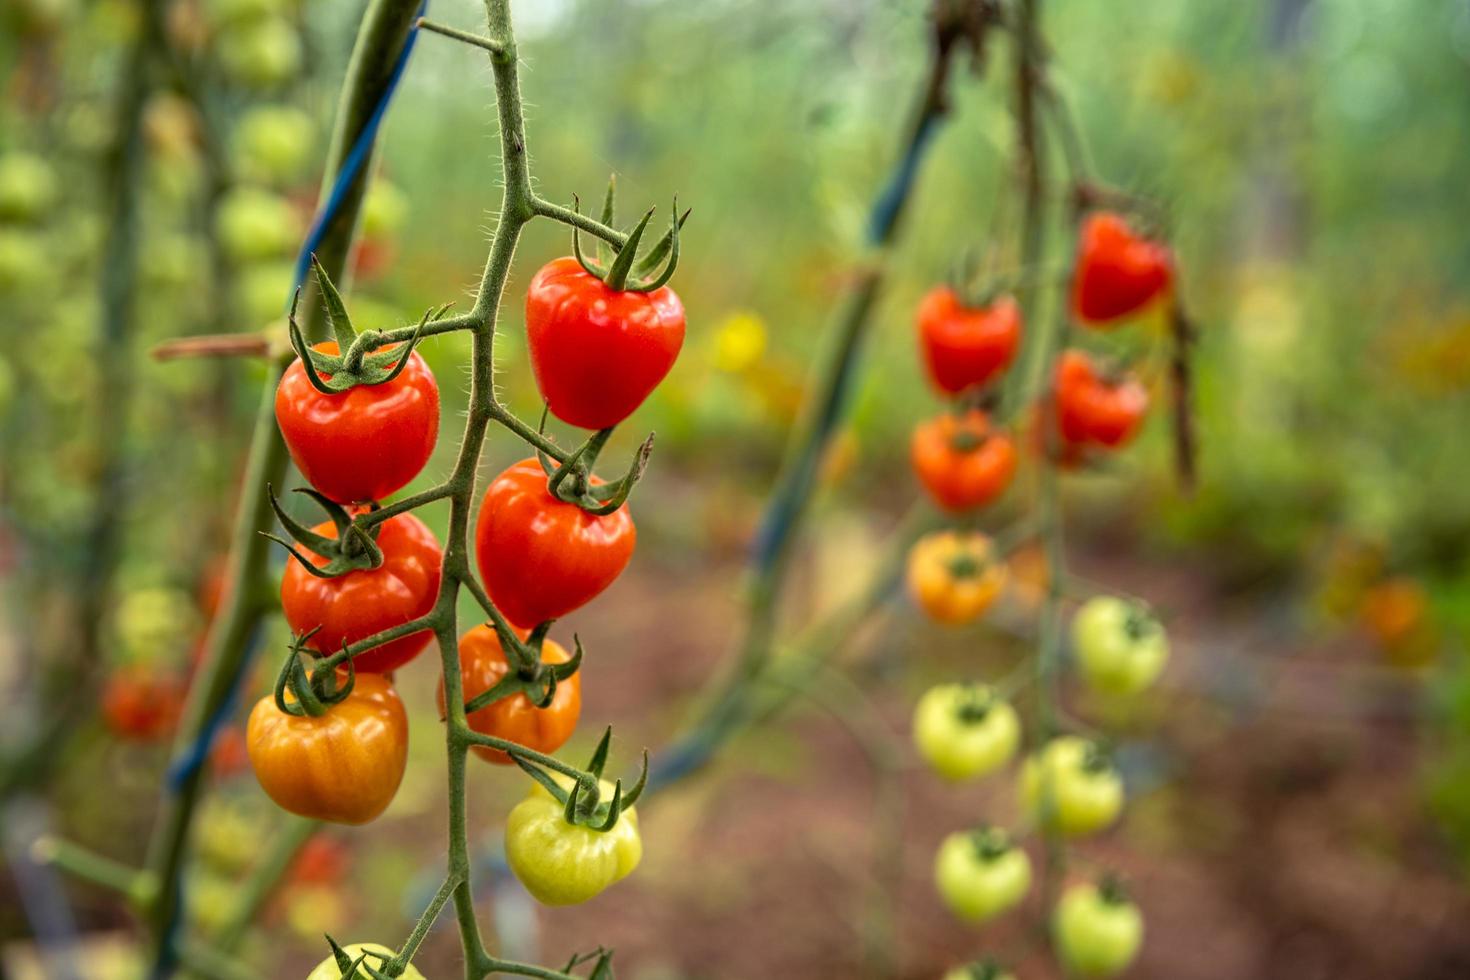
981 874
342 766
1120 646
966 346
562 863
965 731
963 461
1119 272
1098 932
141 702
364 443
954 576
351 607
598 351
374 955
541 557
1094 407
1071 786
544 728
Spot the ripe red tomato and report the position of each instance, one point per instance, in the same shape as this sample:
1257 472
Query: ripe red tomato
598 352
962 461
1118 271
1093 408
322 860
140 703
482 664
541 557
354 606
364 443
963 346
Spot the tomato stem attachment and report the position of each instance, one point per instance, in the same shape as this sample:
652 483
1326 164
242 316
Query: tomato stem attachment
354 549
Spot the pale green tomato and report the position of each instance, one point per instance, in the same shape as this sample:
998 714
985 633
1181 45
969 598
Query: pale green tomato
383 210
1120 647
236 12
273 144
173 260
1097 935
24 269
155 623
254 225
1071 787
979 971
980 874
28 187
265 294
378 954
963 731
563 864
261 54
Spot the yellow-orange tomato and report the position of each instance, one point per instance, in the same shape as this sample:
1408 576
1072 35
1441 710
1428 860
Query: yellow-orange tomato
482 664
1395 612
953 576
343 766
963 462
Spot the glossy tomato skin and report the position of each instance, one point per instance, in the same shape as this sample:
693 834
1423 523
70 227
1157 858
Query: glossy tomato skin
540 557
1058 788
562 864
963 463
598 352
1093 410
965 347
343 766
979 886
1121 649
1119 272
378 956
953 576
354 606
1096 937
964 731
364 443
482 664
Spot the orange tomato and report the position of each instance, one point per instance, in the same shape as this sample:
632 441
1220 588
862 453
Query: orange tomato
962 461
954 576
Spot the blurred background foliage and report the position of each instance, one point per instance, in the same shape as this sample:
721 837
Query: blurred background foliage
1312 155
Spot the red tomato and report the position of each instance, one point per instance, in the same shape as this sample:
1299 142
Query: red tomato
228 755
541 557
363 443
372 257
140 703
598 352
962 462
322 860
962 346
354 606
1118 271
482 664
1092 408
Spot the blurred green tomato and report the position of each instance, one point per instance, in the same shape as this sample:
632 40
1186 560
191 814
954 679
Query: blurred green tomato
87 127
24 269
223 12
273 143
265 292
979 971
28 187
254 225
38 18
383 210
1120 647
327 969
173 260
980 874
1071 786
157 622
261 54
964 731
211 901
1097 934
228 836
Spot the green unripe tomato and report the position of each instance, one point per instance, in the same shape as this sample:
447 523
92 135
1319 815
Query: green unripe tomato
563 864
1097 934
24 269
383 210
964 731
1071 787
254 225
1121 649
986 970
273 144
264 292
980 874
378 954
236 12
28 187
260 54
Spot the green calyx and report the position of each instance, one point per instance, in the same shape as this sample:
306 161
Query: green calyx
571 481
316 691
987 969
1110 889
359 967
1098 758
619 266
601 958
583 805
533 678
990 843
975 707
1139 623
354 549
358 360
